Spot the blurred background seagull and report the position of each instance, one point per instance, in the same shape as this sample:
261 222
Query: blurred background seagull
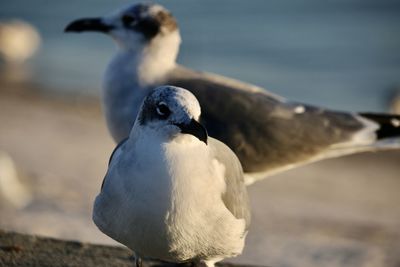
268 133
171 193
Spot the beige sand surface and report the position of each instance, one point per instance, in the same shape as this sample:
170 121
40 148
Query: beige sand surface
342 212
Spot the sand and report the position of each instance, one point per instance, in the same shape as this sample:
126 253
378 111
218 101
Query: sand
340 212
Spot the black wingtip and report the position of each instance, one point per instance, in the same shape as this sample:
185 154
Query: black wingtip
389 124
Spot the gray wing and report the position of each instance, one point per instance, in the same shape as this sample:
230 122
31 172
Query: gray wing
115 149
235 196
265 131
111 158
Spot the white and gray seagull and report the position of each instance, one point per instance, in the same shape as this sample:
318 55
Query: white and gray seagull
268 133
170 192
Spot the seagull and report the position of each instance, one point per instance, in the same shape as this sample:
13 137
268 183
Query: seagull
268 133
172 193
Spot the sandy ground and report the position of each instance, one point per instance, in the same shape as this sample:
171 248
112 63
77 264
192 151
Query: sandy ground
342 212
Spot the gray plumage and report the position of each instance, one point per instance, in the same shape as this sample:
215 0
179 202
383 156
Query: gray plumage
235 196
268 133
264 130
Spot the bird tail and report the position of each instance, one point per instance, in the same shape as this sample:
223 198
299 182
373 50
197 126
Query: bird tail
389 125
381 132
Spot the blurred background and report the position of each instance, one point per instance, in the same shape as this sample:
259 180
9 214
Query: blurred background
343 54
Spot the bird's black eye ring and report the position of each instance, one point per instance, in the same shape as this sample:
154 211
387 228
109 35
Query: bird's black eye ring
128 20
163 110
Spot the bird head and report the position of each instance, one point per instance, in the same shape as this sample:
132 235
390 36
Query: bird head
133 27
172 111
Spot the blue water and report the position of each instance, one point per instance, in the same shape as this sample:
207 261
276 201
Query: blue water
343 54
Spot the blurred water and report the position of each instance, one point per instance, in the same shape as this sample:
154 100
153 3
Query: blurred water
342 54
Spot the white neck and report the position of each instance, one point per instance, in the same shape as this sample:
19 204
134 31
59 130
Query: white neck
130 74
150 63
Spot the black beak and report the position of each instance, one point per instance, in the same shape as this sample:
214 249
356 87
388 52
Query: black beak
194 128
88 24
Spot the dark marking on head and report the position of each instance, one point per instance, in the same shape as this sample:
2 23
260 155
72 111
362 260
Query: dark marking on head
148 27
163 110
148 112
167 20
128 20
139 19
154 108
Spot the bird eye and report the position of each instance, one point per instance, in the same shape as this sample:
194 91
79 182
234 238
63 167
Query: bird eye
128 20
163 110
